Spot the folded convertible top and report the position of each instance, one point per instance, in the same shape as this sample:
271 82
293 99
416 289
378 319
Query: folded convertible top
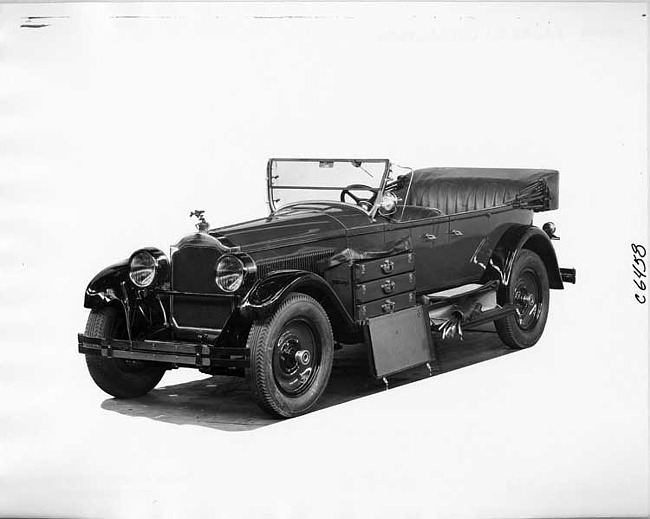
464 189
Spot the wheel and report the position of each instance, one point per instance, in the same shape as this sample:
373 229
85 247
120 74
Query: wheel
291 356
120 378
528 291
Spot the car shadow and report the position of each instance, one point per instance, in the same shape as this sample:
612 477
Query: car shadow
226 403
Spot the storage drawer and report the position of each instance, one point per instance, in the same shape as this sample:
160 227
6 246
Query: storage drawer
384 287
383 267
386 305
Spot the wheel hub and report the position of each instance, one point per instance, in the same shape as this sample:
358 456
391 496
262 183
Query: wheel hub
527 301
296 358
303 357
288 358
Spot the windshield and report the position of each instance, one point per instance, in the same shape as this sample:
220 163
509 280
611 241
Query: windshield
305 180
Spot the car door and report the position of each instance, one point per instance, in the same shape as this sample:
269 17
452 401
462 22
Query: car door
466 235
429 240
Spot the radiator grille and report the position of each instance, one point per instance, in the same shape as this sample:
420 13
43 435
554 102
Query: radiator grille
193 270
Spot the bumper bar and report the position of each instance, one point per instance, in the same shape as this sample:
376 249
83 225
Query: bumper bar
168 352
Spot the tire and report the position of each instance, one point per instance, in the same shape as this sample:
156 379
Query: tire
528 290
285 380
118 377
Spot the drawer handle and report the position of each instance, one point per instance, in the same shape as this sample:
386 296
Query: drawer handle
388 286
388 306
387 266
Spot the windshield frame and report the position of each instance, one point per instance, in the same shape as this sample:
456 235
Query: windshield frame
380 190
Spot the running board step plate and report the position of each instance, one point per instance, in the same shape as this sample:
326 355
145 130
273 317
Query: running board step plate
459 292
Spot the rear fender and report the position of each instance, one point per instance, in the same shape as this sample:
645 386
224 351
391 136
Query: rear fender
266 295
513 240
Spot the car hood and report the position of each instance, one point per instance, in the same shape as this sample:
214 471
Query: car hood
297 226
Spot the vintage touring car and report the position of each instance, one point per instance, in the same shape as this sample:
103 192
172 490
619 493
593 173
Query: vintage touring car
352 251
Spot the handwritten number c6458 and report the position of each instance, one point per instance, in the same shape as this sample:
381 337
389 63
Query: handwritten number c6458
639 270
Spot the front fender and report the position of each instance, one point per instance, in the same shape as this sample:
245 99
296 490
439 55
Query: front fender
111 277
513 240
267 294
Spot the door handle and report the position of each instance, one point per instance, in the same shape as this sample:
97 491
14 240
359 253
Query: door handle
455 232
428 237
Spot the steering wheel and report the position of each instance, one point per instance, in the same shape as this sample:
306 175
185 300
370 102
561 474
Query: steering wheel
365 203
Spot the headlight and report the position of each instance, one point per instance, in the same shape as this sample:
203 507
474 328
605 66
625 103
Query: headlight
230 273
142 269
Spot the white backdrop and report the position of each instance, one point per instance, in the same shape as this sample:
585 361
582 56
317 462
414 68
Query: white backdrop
117 120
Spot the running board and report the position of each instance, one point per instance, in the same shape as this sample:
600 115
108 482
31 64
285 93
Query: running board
446 297
467 306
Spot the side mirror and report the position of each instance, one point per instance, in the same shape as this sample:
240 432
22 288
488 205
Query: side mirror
388 204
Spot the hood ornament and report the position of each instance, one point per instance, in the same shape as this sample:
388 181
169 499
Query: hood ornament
202 224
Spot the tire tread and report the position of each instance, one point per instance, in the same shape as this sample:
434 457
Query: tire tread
508 329
105 372
257 338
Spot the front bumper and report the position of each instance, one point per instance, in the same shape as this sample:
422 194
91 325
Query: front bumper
172 353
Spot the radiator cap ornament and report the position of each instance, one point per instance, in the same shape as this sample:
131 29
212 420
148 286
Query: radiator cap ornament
202 224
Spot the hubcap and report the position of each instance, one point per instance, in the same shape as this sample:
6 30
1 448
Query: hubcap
528 300
296 358
303 357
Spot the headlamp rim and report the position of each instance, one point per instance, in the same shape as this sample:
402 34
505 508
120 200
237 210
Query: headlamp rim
242 268
160 265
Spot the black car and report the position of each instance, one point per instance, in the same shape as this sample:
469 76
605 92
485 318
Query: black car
353 250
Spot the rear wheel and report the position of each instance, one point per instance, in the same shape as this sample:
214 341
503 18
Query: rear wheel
291 356
528 291
120 378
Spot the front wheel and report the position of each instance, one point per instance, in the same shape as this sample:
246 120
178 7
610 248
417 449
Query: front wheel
291 356
120 378
528 291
